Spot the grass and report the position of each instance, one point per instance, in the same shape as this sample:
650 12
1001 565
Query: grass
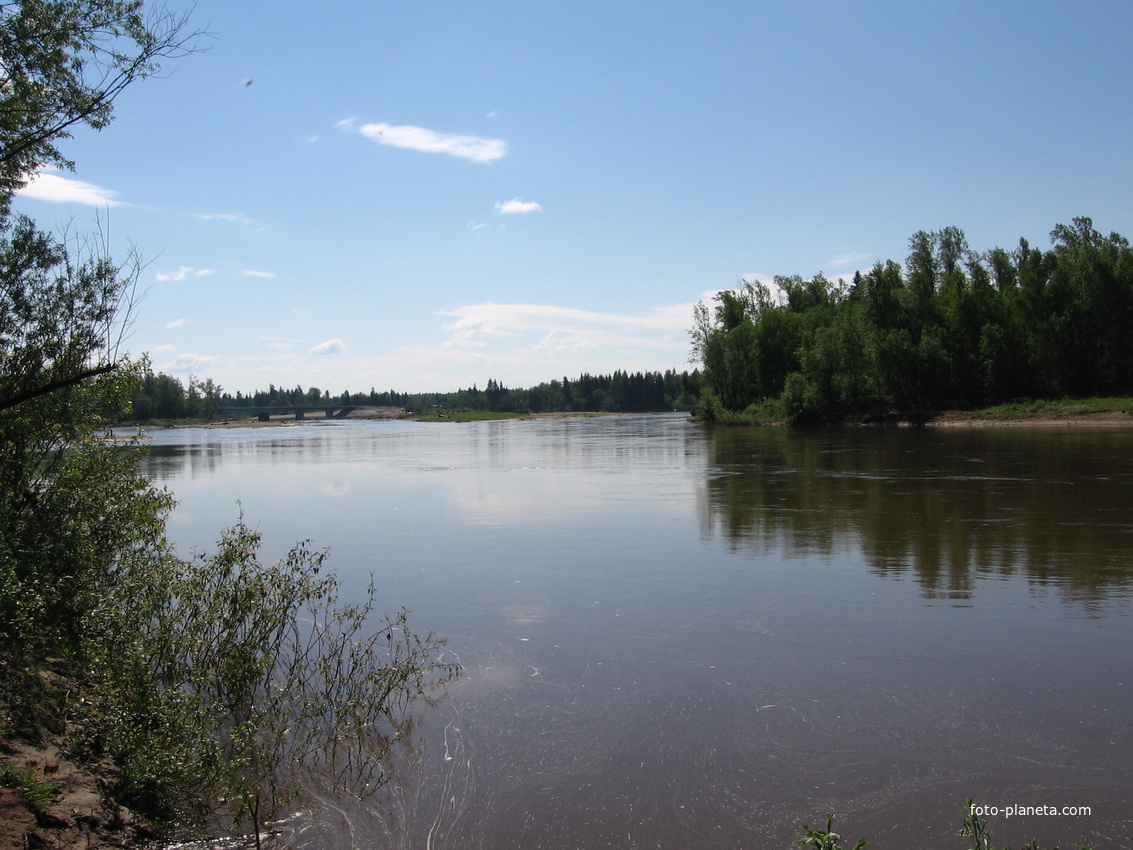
468 416
37 794
771 411
1053 409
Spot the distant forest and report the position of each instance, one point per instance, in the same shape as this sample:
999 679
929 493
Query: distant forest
952 329
164 397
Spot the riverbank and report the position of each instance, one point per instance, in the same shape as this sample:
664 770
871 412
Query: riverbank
1062 412
1094 412
961 418
1100 412
385 414
80 813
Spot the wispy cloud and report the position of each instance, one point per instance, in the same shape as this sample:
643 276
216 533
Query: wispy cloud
176 323
233 218
46 186
851 261
190 362
331 346
184 273
524 344
254 273
280 343
550 328
515 205
472 148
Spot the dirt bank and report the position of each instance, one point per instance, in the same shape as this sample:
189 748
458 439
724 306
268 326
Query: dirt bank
80 813
289 420
962 418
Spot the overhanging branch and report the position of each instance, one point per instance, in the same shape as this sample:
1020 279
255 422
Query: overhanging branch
52 386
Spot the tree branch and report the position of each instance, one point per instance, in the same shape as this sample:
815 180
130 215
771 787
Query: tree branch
52 386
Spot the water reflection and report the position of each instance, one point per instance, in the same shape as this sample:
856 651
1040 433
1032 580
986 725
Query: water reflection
677 637
948 506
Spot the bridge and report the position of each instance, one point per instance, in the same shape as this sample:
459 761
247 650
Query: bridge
299 411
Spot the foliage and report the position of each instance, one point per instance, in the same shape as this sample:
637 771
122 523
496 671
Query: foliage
974 829
250 684
72 511
164 397
212 681
1055 408
71 508
955 328
62 63
826 839
468 415
36 793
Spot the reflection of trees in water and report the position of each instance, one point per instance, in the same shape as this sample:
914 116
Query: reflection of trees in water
161 463
1053 506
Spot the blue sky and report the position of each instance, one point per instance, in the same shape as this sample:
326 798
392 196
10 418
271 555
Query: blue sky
421 196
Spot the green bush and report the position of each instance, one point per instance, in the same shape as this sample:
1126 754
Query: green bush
230 687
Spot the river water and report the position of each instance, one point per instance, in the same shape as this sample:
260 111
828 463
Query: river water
676 637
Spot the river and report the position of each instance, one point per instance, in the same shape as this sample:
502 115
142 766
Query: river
674 636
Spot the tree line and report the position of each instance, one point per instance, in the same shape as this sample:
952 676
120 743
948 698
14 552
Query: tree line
619 392
953 328
164 397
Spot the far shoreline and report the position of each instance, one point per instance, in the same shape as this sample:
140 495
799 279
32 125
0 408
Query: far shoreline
371 414
992 418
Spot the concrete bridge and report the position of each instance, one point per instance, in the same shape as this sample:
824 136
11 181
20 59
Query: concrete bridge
299 411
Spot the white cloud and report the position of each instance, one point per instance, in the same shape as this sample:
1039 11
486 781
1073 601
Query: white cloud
474 225
254 273
163 349
190 362
473 148
515 205
176 323
183 273
519 344
46 186
331 346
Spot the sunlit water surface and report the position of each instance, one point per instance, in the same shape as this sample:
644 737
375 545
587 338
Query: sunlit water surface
679 637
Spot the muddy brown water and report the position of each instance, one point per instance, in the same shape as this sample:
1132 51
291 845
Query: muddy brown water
677 637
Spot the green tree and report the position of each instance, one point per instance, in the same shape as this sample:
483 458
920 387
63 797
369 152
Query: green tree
209 680
956 329
62 63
